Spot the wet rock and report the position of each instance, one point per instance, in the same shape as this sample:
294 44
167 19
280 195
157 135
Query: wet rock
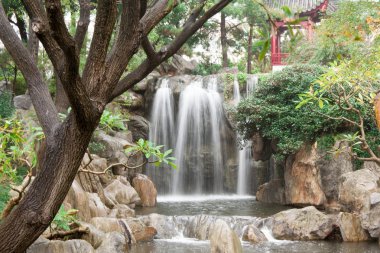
22 102
371 221
302 178
301 224
146 190
112 144
121 192
122 211
139 127
350 228
332 169
164 225
356 188
140 231
253 234
70 246
272 192
94 236
223 239
200 226
113 242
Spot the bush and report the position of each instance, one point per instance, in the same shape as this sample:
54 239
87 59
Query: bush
6 104
271 110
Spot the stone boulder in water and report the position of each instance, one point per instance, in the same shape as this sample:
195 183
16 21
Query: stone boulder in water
351 228
113 242
223 239
272 192
55 246
253 234
121 192
301 224
146 190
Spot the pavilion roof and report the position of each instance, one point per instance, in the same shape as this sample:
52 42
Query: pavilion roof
301 6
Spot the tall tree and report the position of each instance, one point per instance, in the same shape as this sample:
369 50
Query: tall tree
88 91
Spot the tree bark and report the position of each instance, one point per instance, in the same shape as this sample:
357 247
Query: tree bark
223 39
61 101
249 49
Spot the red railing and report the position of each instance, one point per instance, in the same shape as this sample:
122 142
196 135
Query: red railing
279 59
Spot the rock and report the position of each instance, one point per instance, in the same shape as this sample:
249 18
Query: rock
164 225
112 144
223 239
350 228
253 234
94 236
121 192
374 198
371 221
302 179
356 188
301 224
70 246
22 102
139 127
200 226
146 190
137 101
113 242
332 169
133 229
122 211
272 192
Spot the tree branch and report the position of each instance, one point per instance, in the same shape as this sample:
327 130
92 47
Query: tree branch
191 26
83 22
39 93
62 234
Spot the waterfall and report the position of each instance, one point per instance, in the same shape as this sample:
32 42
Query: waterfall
245 155
236 97
198 146
245 165
252 81
162 132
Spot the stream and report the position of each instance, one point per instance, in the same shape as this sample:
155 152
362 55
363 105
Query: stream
236 209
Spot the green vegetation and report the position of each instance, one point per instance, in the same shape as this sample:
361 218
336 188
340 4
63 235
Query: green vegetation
271 110
154 152
64 219
6 105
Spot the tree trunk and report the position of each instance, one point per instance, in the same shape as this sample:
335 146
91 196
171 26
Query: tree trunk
249 49
223 39
22 28
33 43
64 153
61 101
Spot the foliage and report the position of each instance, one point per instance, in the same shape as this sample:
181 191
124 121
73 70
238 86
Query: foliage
64 218
6 105
350 86
16 147
96 147
344 34
153 152
4 196
205 69
112 121
271 110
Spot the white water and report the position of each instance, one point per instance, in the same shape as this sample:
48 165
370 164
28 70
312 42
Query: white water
162 132
252 81
200 198
245 168
236 98
199 141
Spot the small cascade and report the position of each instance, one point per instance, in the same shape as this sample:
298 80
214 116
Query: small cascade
245 165
268 234
198 147
252 81
236 98
162 132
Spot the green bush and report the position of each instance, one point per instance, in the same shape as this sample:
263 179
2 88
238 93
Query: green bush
271 110
6 105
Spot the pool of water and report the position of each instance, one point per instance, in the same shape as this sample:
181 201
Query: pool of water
187 245
225 205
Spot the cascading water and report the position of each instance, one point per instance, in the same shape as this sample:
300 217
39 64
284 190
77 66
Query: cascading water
198 147
162 132
245 155
236 97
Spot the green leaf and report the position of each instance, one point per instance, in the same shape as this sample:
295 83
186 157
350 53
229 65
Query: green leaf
320 103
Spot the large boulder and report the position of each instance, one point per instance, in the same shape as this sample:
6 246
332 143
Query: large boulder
333 168
302 178
165 225
113 242
357 187
70 246
223 239
94 235
253 234
301 224
272 192
146 190
22 102
200 226
370 220
139 127
350 228
121 192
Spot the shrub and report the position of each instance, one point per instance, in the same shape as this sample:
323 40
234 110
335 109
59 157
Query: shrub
6 105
